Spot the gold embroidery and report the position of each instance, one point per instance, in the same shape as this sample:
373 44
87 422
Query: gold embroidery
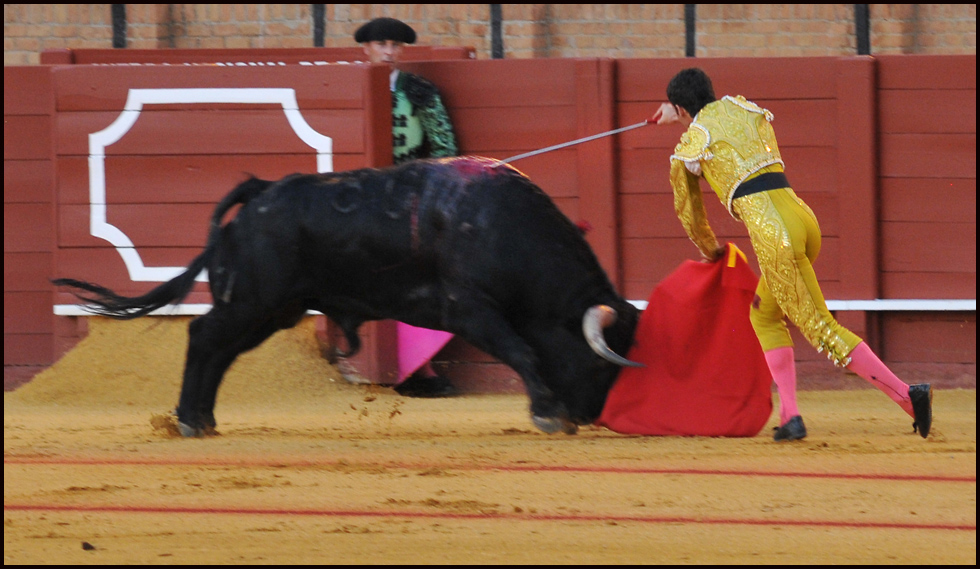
749 106
772 246
689 207
741 143
693 148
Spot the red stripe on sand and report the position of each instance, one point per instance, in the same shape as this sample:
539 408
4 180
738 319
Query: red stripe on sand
482 516
503 468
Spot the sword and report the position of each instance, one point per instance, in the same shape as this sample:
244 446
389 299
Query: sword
578 141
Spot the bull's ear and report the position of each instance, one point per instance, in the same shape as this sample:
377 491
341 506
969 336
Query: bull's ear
595 320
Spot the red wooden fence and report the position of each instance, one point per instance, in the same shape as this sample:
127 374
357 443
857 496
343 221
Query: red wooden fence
165 173
927 157
894 185
28 217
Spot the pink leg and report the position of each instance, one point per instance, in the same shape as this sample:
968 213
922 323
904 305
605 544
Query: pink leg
866 364
782 366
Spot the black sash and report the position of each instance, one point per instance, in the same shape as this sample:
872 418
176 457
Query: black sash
761 183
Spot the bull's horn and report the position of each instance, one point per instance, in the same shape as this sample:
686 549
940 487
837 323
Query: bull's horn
595 320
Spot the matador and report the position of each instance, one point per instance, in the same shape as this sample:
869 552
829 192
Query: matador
731 144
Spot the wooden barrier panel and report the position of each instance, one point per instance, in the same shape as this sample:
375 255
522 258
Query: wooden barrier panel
928 176
928 201
28 217
164 173
503 108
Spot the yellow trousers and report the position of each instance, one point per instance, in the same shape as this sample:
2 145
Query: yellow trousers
786 239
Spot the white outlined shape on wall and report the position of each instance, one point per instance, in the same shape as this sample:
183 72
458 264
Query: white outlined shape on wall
99 141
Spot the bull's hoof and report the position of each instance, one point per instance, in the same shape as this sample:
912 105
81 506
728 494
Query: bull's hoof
547 424
554 424
189 431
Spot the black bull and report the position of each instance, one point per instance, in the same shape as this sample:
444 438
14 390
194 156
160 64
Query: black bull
465 245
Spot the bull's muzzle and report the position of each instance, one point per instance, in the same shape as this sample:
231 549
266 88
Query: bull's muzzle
596 319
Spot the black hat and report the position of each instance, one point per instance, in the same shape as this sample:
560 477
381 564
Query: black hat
381 29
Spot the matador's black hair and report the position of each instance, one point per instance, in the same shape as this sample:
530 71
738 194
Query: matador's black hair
691 90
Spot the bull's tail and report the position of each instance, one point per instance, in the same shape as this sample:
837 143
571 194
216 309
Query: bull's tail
105 302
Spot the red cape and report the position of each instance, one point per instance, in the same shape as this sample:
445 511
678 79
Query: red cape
706 373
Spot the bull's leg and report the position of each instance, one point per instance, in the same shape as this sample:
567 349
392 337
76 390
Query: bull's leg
211 350
200 349
227 331
488 331
213 374
215 370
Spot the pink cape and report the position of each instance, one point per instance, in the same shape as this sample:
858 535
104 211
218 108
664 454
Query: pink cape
417 346
706 373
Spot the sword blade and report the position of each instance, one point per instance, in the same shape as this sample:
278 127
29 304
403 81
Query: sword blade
574 142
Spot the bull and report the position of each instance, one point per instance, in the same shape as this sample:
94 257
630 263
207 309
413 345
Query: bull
467 245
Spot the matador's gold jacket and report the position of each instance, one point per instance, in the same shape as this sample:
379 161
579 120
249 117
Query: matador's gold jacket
728 141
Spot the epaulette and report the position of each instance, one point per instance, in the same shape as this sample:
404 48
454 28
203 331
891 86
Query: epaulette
419 90
749 106
693 146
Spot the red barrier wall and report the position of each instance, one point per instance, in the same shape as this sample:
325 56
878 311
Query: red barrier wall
503 108
165 174
866 164
28 219
927 155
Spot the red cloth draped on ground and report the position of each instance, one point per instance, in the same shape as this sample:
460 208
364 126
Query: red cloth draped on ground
706 373
417 346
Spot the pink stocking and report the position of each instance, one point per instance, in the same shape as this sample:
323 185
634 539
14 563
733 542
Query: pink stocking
782 366
866 364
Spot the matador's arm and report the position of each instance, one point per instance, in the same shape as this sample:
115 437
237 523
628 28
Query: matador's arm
689 207
685 166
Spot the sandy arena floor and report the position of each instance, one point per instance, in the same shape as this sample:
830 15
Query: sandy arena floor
310 469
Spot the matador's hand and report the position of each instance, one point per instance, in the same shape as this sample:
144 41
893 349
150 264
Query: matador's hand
666 114
717 255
